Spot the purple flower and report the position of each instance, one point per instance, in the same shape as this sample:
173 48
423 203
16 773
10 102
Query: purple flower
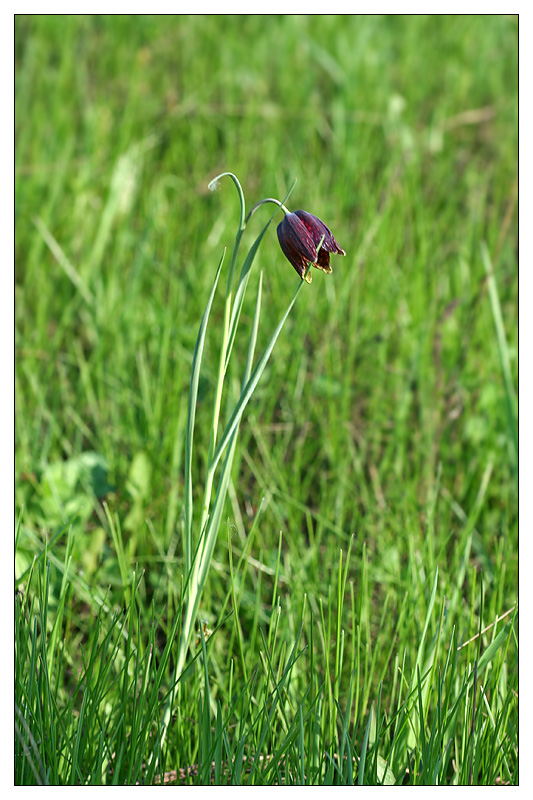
299 235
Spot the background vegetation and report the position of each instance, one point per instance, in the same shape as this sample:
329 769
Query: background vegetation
372 528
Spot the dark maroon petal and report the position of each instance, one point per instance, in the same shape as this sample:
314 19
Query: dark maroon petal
317 229
322 261
294 230
299 264
296 243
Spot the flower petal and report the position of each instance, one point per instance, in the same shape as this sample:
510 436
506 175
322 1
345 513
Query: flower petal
323 260
317 229
296 243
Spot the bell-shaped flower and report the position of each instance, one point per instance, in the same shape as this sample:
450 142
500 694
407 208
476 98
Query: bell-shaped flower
299 234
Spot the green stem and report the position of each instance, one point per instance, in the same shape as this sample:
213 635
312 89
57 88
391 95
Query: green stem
262 202
222 362
222 366
192 569
219 387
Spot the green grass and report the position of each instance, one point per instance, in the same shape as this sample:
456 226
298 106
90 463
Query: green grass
359 619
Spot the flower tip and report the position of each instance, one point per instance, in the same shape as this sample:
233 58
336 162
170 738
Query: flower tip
214 185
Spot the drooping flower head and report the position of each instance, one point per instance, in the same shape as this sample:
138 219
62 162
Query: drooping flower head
299 235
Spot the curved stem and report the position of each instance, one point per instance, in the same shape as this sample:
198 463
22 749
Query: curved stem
214 185
261 202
